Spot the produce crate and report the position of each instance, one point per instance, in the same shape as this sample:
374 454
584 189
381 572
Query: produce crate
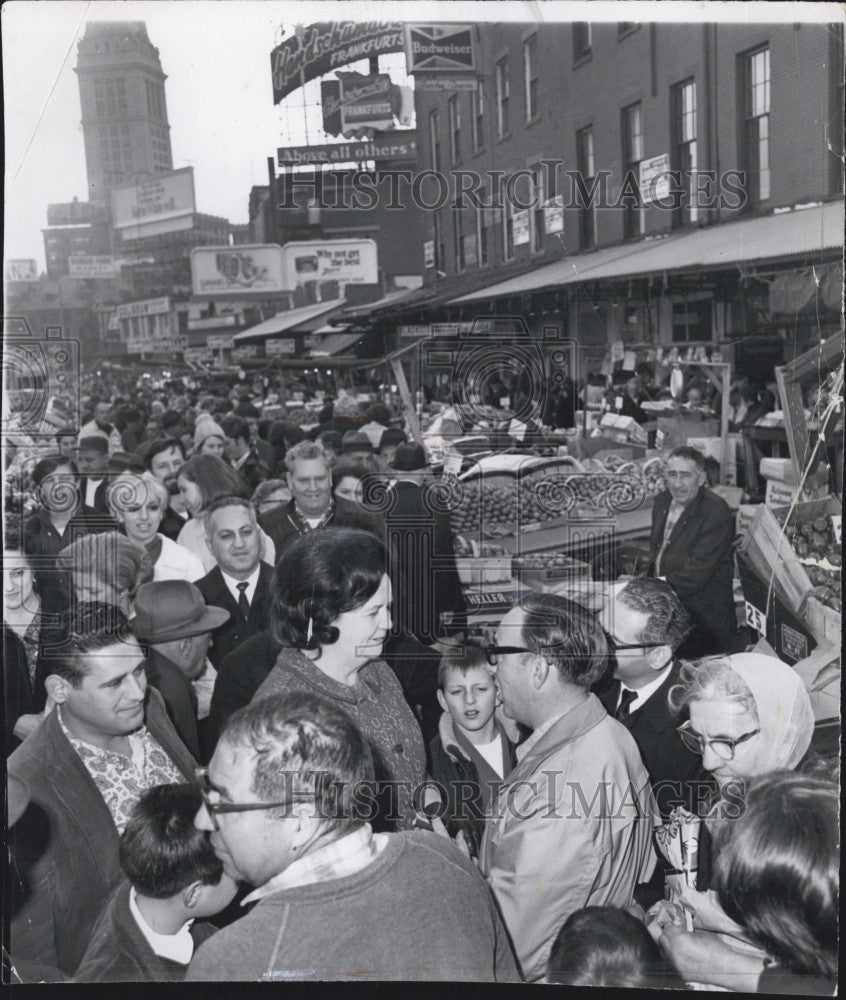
483 569
558 569
825 623
767 550
787 633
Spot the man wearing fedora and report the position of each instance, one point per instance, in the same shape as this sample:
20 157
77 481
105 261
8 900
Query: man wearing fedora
173 621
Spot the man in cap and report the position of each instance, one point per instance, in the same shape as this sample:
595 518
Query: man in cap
92 460
174 623
356 446
101 425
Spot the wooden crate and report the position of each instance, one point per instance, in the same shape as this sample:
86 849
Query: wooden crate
770 554
825 623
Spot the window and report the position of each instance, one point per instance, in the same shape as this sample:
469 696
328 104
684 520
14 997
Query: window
439 242
477 101
626 28
503 92
484 220
756 124
684 149
507 230
633 214
455 128
587 171
530 77
581 40
538 199
458 236
434 141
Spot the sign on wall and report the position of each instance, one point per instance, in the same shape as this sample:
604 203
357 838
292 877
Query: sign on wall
349 262
435 48
249 269
163 204
520 227
553 215
89 266
147 307
429 253
355 102
402 146
655 178
319 48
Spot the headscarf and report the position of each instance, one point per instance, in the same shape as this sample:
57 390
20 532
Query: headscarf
785 716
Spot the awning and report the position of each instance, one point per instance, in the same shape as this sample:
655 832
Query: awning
289 319
334 343
799 232
392 298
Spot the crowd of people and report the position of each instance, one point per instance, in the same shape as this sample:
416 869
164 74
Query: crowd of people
250 736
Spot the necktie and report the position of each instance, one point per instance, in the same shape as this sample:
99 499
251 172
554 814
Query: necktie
624 708
243 603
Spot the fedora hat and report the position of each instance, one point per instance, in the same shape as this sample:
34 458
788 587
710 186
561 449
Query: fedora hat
173 609
409 458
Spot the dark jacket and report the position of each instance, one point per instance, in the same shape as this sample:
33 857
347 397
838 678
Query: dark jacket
282 529
234 631
253 471
452 767
66 843
178 694
697 563
119 953
172 524
100 506
266 454
240 674
424 574
20 695
676 775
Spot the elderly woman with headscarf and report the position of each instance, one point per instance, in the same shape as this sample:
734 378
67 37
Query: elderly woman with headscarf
749 715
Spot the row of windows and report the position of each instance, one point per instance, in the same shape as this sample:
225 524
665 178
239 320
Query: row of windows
155 100
110 97
474 248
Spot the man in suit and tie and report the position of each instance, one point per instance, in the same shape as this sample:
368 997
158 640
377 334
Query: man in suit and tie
240 582
93 462
691 548
645 623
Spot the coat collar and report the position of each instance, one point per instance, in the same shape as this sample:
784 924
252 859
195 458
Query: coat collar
569 728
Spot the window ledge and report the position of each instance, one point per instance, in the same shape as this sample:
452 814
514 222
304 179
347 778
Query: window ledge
504 137
582 59
532 121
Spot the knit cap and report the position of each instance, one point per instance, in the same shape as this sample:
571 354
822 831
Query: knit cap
206 428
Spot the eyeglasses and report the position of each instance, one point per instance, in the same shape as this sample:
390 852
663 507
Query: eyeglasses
723 748
615 646
214 807
493 652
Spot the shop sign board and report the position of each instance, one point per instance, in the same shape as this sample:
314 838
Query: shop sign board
221 341
276 348
348 262
399 146
423 81
439 48
162 204
89 266
197 354
245 351
655 178
251 269
146 307
21 270
553 215
211 323
317 49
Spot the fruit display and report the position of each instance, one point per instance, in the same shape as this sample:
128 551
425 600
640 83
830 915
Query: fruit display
813 541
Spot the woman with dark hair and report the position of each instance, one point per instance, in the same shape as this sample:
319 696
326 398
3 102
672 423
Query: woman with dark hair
606 946
201 480
331 612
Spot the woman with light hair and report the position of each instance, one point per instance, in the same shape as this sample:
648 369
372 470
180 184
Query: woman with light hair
138 503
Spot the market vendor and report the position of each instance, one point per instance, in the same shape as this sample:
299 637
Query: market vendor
691 548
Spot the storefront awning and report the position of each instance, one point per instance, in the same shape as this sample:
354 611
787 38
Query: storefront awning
290 319
334 343
800 232
392 298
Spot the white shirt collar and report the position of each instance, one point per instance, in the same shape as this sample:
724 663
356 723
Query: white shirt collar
643 694
178 947
251 581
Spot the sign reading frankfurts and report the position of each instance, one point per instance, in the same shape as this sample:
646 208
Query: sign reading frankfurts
439 48
399 146
319 48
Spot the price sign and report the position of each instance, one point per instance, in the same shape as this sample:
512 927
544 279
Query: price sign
452 464
837 527
756 619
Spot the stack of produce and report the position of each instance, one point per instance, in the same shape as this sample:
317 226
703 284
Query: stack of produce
814 543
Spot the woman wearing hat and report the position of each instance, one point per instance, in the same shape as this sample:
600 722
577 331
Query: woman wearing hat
138 503
208 437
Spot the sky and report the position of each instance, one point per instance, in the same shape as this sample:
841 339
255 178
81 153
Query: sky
220 107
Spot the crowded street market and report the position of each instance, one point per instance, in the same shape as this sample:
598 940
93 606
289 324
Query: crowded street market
380 605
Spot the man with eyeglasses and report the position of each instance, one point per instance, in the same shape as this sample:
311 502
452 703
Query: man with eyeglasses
286 799
572 825
645 623
107 739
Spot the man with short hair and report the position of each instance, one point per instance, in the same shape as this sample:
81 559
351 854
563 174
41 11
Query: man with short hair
164 457
691 548
572 825
173 622
241 581
93 463
107 739
101 425
312 505
242 456
134 436
285 809
66 442
645 623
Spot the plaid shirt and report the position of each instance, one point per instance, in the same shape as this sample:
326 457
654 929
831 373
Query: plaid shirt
121 780
339 859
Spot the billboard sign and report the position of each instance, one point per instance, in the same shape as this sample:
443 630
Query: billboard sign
89 266
356 102
347 262
439 48
147 307
162 204
248 269
21 270
316 50
399 146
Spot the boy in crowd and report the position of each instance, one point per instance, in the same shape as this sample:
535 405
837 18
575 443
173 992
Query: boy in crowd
471 753
150 927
